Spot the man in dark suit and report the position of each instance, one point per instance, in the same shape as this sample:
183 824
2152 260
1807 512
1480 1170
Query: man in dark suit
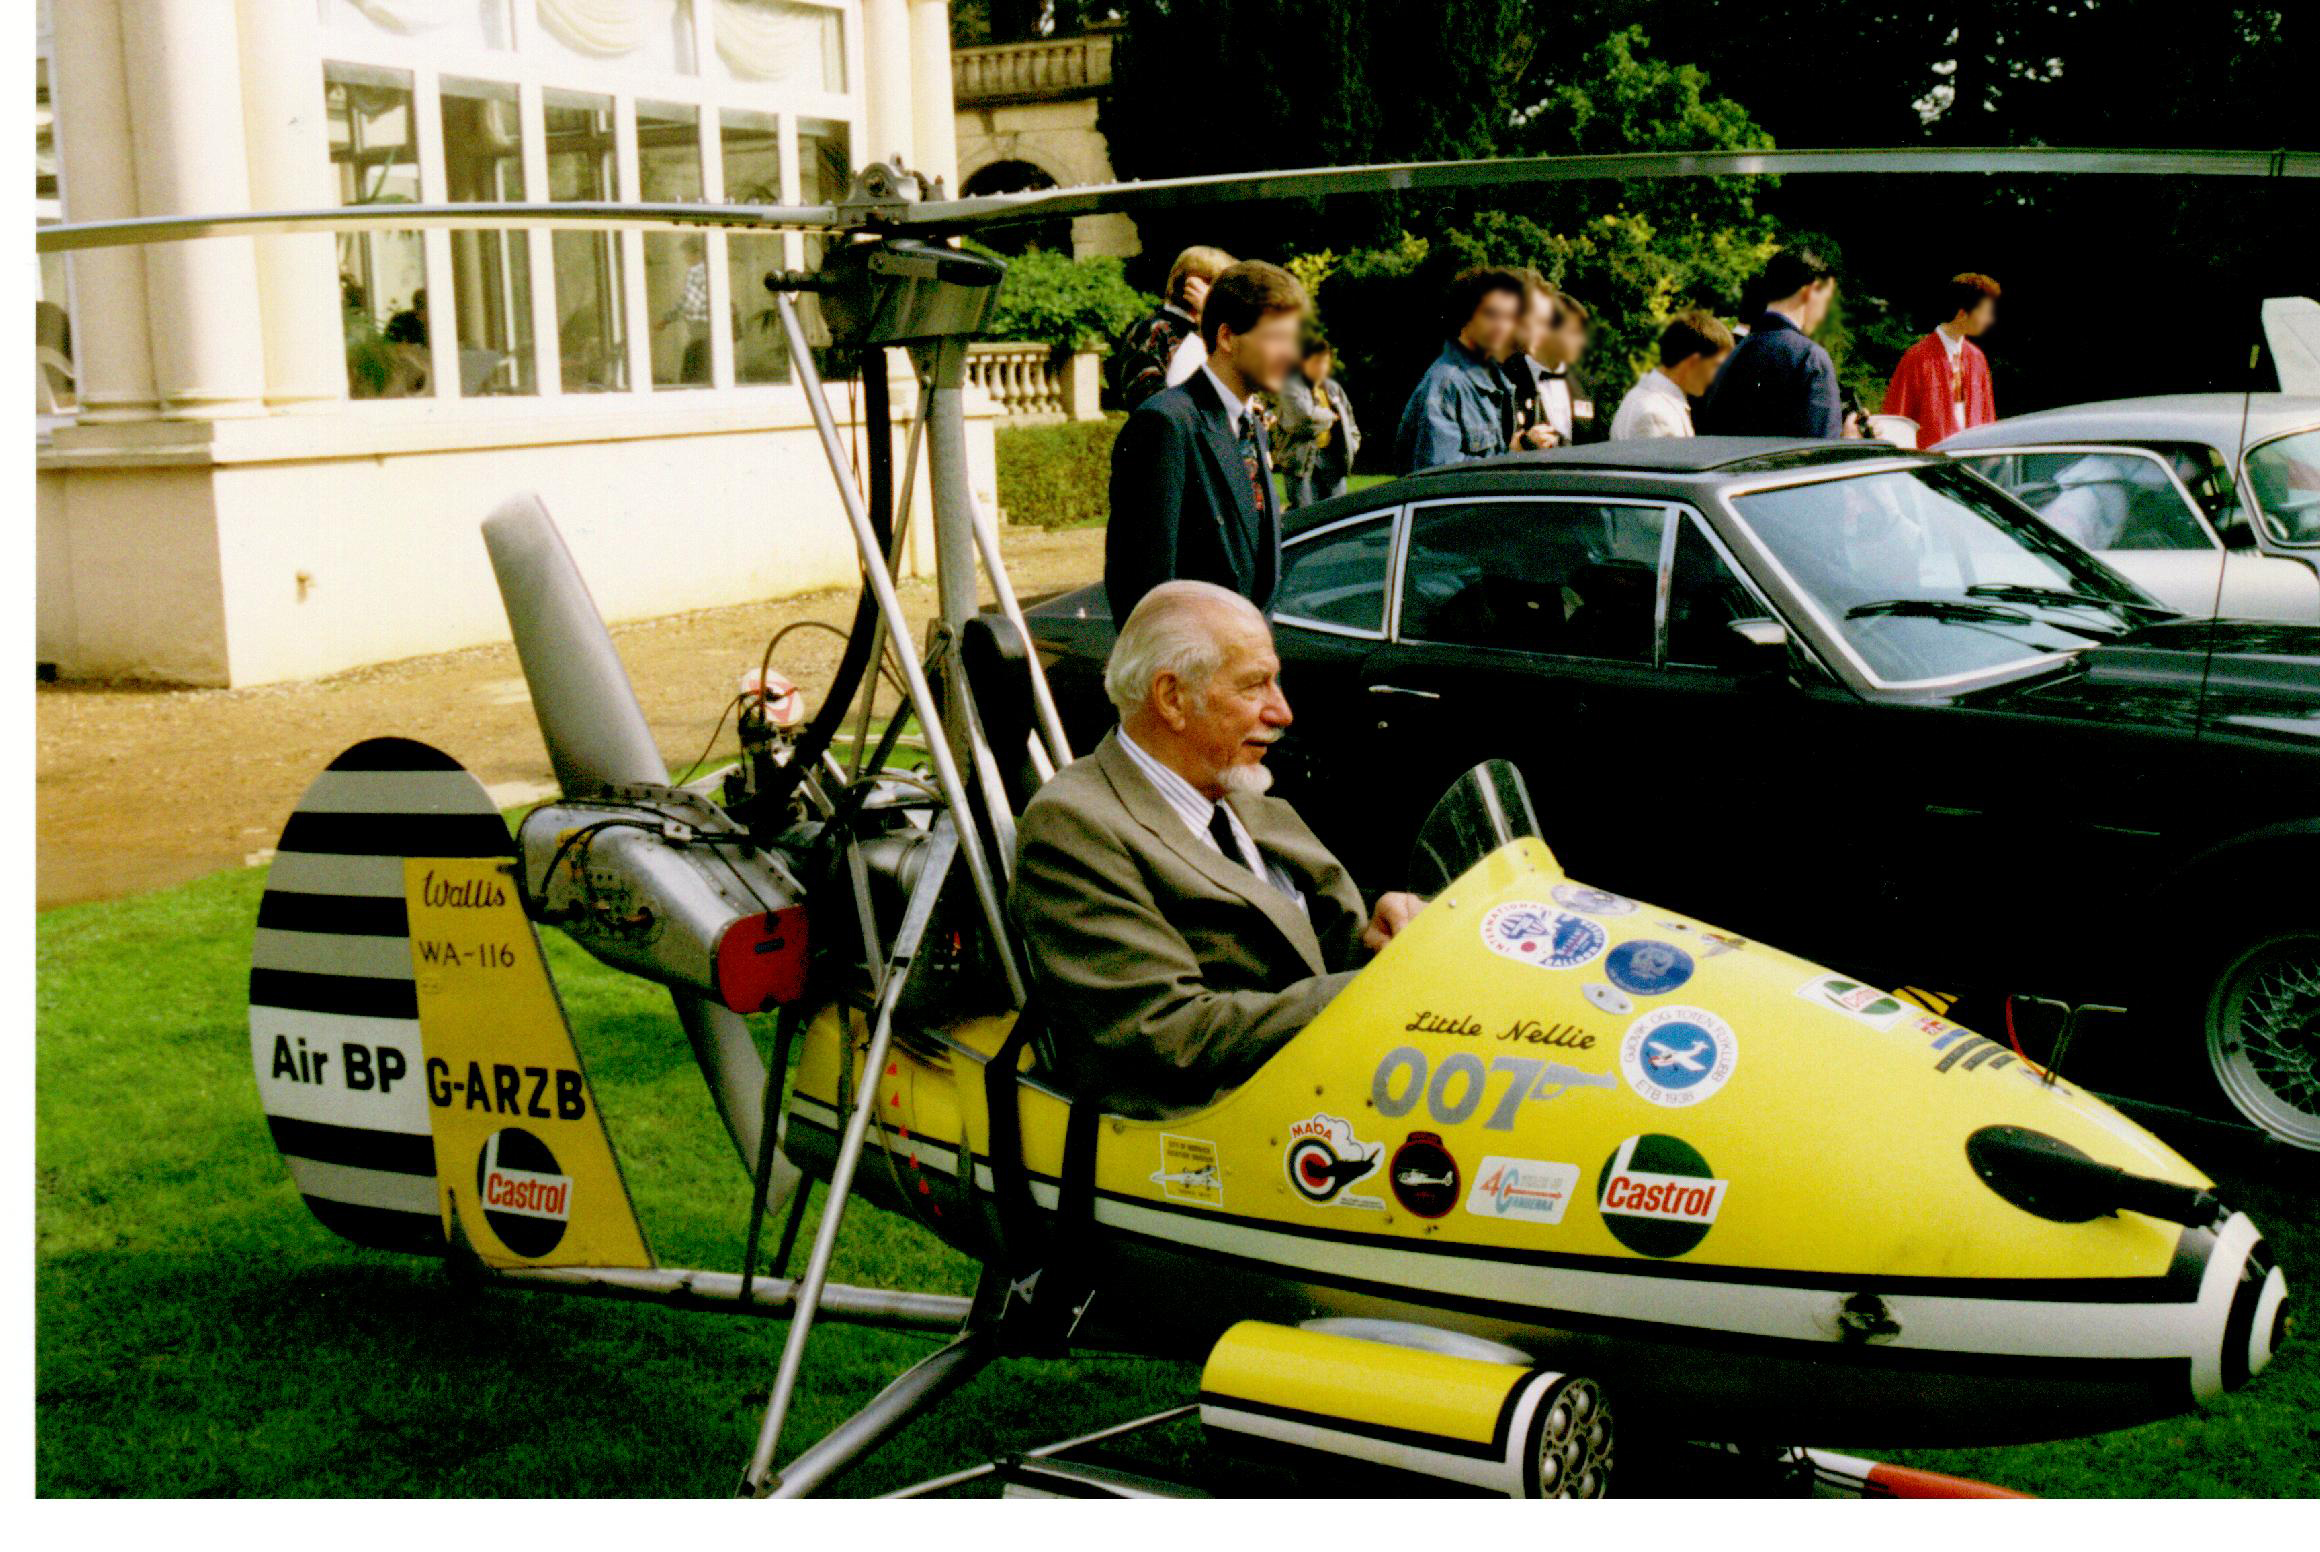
1553 405
1779 382
1192 479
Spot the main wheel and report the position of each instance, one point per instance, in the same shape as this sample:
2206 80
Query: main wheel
2262 1022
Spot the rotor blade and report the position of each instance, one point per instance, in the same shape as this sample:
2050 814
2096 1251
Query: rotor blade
572 215
1385 177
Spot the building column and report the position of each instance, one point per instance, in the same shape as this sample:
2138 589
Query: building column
886 91
185 120
287 132
112 354
934 117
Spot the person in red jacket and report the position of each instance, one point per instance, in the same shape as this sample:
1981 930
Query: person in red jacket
1943 381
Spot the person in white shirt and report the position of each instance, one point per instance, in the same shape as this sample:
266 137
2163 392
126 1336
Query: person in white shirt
1692 350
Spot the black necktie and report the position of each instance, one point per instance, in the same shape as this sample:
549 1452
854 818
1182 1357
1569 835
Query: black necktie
1221 831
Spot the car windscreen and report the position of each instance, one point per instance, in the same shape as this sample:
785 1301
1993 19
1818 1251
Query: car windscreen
2285 475
1926 573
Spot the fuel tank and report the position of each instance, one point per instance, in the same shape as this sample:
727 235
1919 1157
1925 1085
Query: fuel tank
1754 1198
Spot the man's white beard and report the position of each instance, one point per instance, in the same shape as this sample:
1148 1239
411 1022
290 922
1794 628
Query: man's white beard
1248 780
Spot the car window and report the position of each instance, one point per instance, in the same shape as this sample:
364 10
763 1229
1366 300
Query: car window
1337 577
2107 500
1927 574
2285 474
1704 599
2206 473
1572 578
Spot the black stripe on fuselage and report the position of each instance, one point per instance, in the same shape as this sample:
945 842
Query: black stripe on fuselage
362 996
374 916
2178 1285
357 1147
398 835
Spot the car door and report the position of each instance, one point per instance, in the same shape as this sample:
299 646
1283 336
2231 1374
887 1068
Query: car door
2128 506
1522 626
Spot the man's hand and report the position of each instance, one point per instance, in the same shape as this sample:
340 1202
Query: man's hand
1395 910
1541 435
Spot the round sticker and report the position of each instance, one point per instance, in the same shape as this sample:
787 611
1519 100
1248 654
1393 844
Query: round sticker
1541 935
1595 902
1609 998
1647 967
1424 1176
526 1196
1678 1056
1657 1195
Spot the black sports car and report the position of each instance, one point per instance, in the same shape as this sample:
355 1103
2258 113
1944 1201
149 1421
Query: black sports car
1856 701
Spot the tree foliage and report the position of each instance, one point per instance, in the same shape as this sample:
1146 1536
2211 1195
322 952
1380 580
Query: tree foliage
1066 303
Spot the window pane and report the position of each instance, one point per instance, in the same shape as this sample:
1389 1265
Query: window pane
382 276
590 324
782 43
1704 599
1338 578
491 276
2102 501
1557 577
676 264
2286 475
825 170
752 153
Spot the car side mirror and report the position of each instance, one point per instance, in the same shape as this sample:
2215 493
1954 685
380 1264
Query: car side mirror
1758 646
2239 536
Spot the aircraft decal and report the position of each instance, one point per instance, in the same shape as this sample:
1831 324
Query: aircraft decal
1324 1157
1678 1056
1424 1176
1189 1171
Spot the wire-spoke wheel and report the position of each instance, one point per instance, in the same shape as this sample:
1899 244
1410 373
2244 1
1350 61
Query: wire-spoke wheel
2263 1034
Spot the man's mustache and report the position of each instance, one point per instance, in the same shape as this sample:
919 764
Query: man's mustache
1266 736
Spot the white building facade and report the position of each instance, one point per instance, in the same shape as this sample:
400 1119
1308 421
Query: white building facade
272 454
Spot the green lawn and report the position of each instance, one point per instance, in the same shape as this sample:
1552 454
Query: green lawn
199 1334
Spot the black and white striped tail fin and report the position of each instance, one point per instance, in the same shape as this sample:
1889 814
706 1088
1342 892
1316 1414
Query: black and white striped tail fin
334 1013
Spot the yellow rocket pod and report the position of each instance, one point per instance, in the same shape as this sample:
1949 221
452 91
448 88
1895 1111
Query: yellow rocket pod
1498 1428
1743 1192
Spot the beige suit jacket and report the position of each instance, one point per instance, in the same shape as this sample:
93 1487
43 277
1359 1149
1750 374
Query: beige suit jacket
1164 972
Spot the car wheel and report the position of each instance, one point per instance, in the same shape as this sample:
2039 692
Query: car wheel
2263 1033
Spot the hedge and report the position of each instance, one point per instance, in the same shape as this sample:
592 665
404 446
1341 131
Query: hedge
1057 476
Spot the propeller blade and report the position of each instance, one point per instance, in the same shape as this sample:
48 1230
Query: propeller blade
1394 177
572 215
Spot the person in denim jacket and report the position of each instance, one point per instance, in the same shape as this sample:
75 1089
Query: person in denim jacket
1460 408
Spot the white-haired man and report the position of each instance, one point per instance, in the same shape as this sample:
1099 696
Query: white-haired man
1181 925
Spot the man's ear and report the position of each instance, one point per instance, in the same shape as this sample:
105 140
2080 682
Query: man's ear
1168 700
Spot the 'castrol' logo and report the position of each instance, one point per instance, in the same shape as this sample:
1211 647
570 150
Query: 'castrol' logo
1658 1196
526 1196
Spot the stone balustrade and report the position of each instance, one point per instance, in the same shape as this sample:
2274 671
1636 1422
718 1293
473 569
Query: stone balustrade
1040 71
1028 386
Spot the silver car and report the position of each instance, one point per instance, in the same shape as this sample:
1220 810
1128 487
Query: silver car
2209 501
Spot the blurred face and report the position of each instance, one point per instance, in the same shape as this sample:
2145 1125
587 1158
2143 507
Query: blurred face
1817 298
1538 323
1567 342
1222 729
1978 321
1491 329
1316 367
1265 355
1693 374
